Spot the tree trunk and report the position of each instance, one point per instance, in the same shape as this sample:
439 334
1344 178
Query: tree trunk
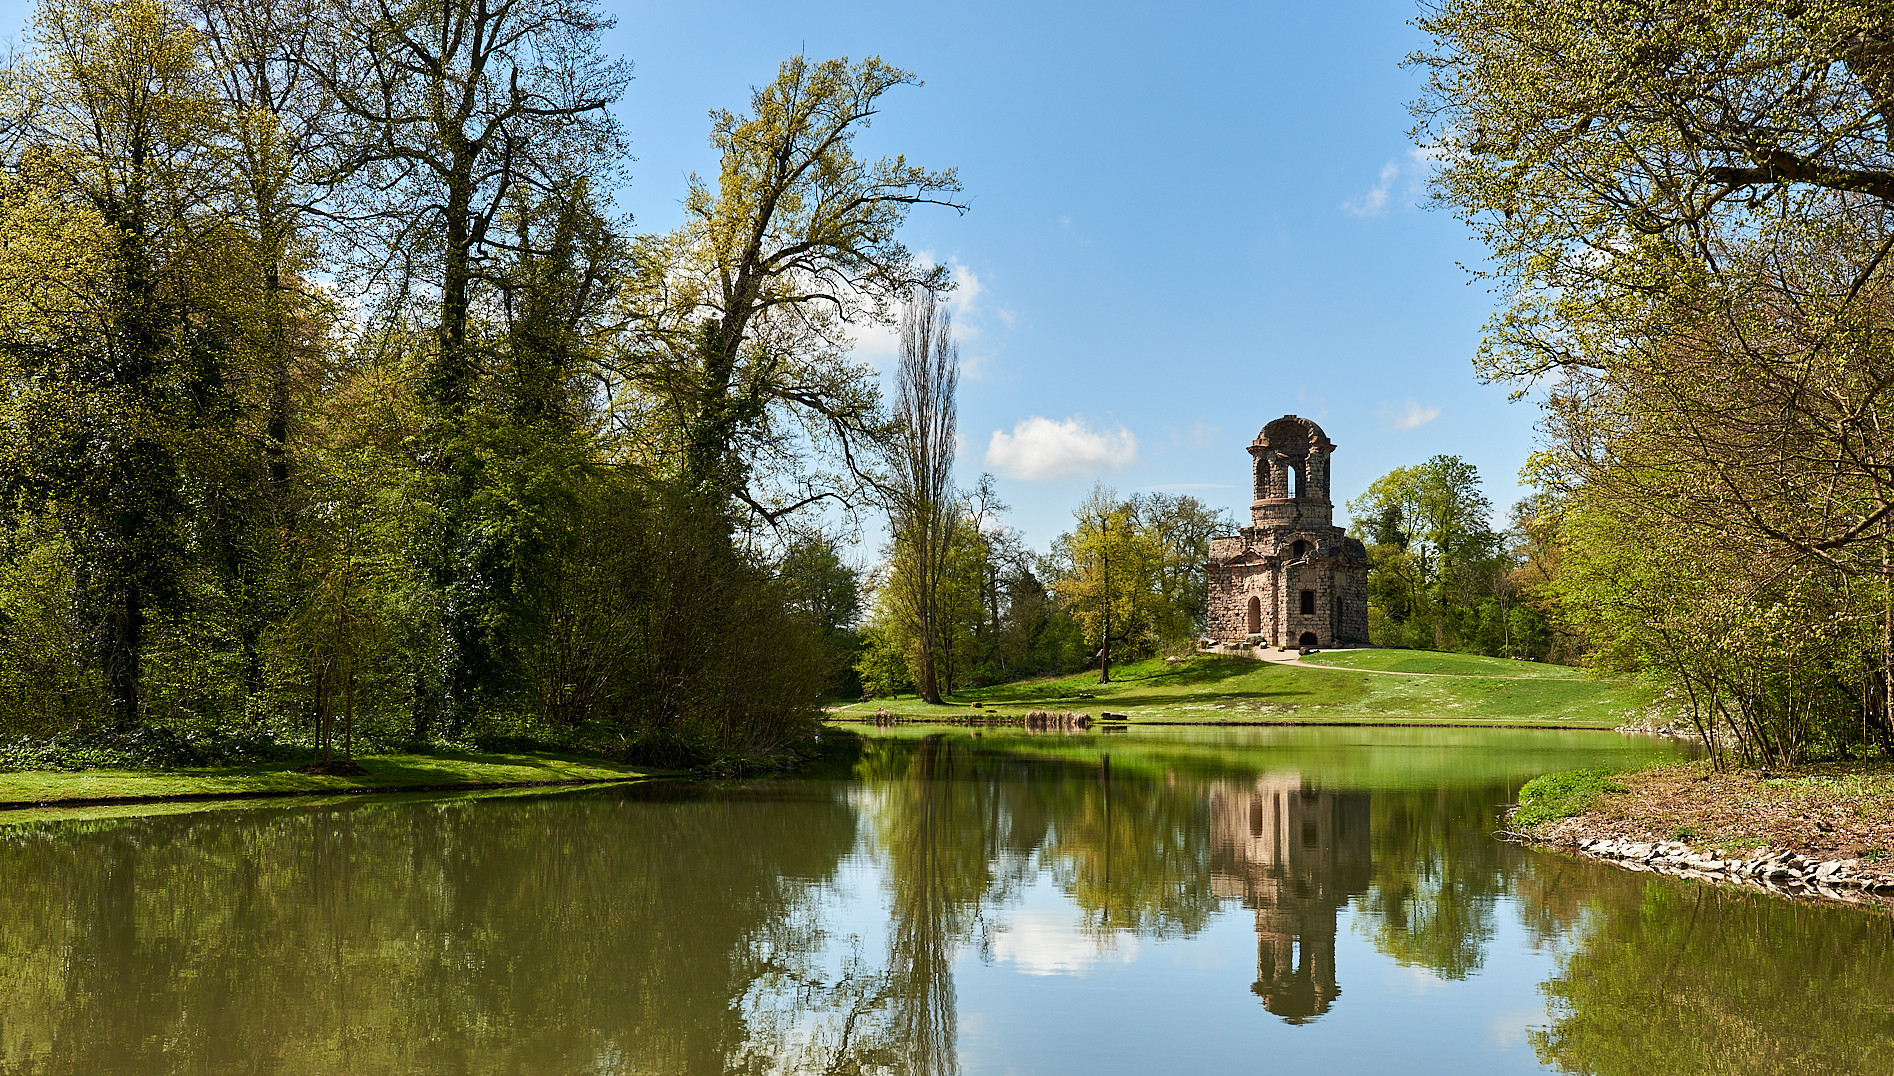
124 656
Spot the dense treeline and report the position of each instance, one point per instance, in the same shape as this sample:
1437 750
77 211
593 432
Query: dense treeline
1442 577
381 937
1690 207
340 407
1126 582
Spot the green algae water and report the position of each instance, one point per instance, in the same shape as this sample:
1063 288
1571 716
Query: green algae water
1315 900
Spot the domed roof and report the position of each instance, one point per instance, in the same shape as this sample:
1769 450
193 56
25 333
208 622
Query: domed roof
1292 430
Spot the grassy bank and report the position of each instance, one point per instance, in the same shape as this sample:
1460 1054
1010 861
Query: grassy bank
429 770
1823 811
1363 686
1552 796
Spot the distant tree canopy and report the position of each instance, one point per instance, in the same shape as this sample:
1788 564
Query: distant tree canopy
1440 576
995 619
341 408
1688 206
1132 571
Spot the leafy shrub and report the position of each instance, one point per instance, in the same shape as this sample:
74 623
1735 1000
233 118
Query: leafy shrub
138 747
1561 795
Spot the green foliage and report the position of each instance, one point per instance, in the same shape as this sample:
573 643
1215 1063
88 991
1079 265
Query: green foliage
738 320
1561 795
997 620
1768 659
824 595
1703 291
431 479
1440 577
883 664
1132 572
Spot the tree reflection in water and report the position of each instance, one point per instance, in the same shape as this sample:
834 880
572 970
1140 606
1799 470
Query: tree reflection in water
1438 876
1664 977
530 934
692 929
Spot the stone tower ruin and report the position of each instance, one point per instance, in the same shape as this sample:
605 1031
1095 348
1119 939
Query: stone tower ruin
1292 578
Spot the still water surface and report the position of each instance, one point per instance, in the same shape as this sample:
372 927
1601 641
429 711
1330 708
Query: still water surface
1259 900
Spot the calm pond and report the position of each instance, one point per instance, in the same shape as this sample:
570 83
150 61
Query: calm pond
1295 900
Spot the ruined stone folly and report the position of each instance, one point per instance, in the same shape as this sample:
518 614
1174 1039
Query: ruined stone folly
1292 578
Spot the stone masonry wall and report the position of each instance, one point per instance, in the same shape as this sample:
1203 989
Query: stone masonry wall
1261 563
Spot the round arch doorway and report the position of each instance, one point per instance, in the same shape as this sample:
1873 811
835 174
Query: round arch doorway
1308 639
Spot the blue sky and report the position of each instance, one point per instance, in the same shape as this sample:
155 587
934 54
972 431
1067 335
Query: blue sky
1186 220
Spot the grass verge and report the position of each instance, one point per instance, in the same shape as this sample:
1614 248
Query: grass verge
443 769
1553 796
1425 689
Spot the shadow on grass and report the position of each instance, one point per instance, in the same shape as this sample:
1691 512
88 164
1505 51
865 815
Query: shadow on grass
1440 663
412 767
1195 672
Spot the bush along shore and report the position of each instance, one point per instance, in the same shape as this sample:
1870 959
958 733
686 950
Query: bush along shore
1822 831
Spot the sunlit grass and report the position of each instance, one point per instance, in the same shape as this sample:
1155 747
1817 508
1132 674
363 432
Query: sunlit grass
444 768
1437 664
1218 689
1562 795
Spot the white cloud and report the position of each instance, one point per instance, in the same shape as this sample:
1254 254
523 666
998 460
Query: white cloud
1410 979
1375 202
876 343
1039 449
1407 415
879 343
964 303
1508 1029
1402 180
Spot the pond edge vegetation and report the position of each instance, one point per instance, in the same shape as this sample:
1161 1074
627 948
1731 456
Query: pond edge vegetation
1816 832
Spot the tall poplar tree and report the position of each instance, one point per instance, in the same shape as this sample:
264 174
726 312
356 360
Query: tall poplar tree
923 514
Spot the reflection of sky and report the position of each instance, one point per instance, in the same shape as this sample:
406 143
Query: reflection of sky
1044 937
1185 1003
1045 997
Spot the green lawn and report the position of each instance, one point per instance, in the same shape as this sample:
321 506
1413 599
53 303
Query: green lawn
1348 687
1427 661
460 769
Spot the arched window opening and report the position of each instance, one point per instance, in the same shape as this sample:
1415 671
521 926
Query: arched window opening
1256 616
1299 548
1292 478
1308 639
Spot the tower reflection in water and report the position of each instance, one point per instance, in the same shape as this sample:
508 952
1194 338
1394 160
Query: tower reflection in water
1296 856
